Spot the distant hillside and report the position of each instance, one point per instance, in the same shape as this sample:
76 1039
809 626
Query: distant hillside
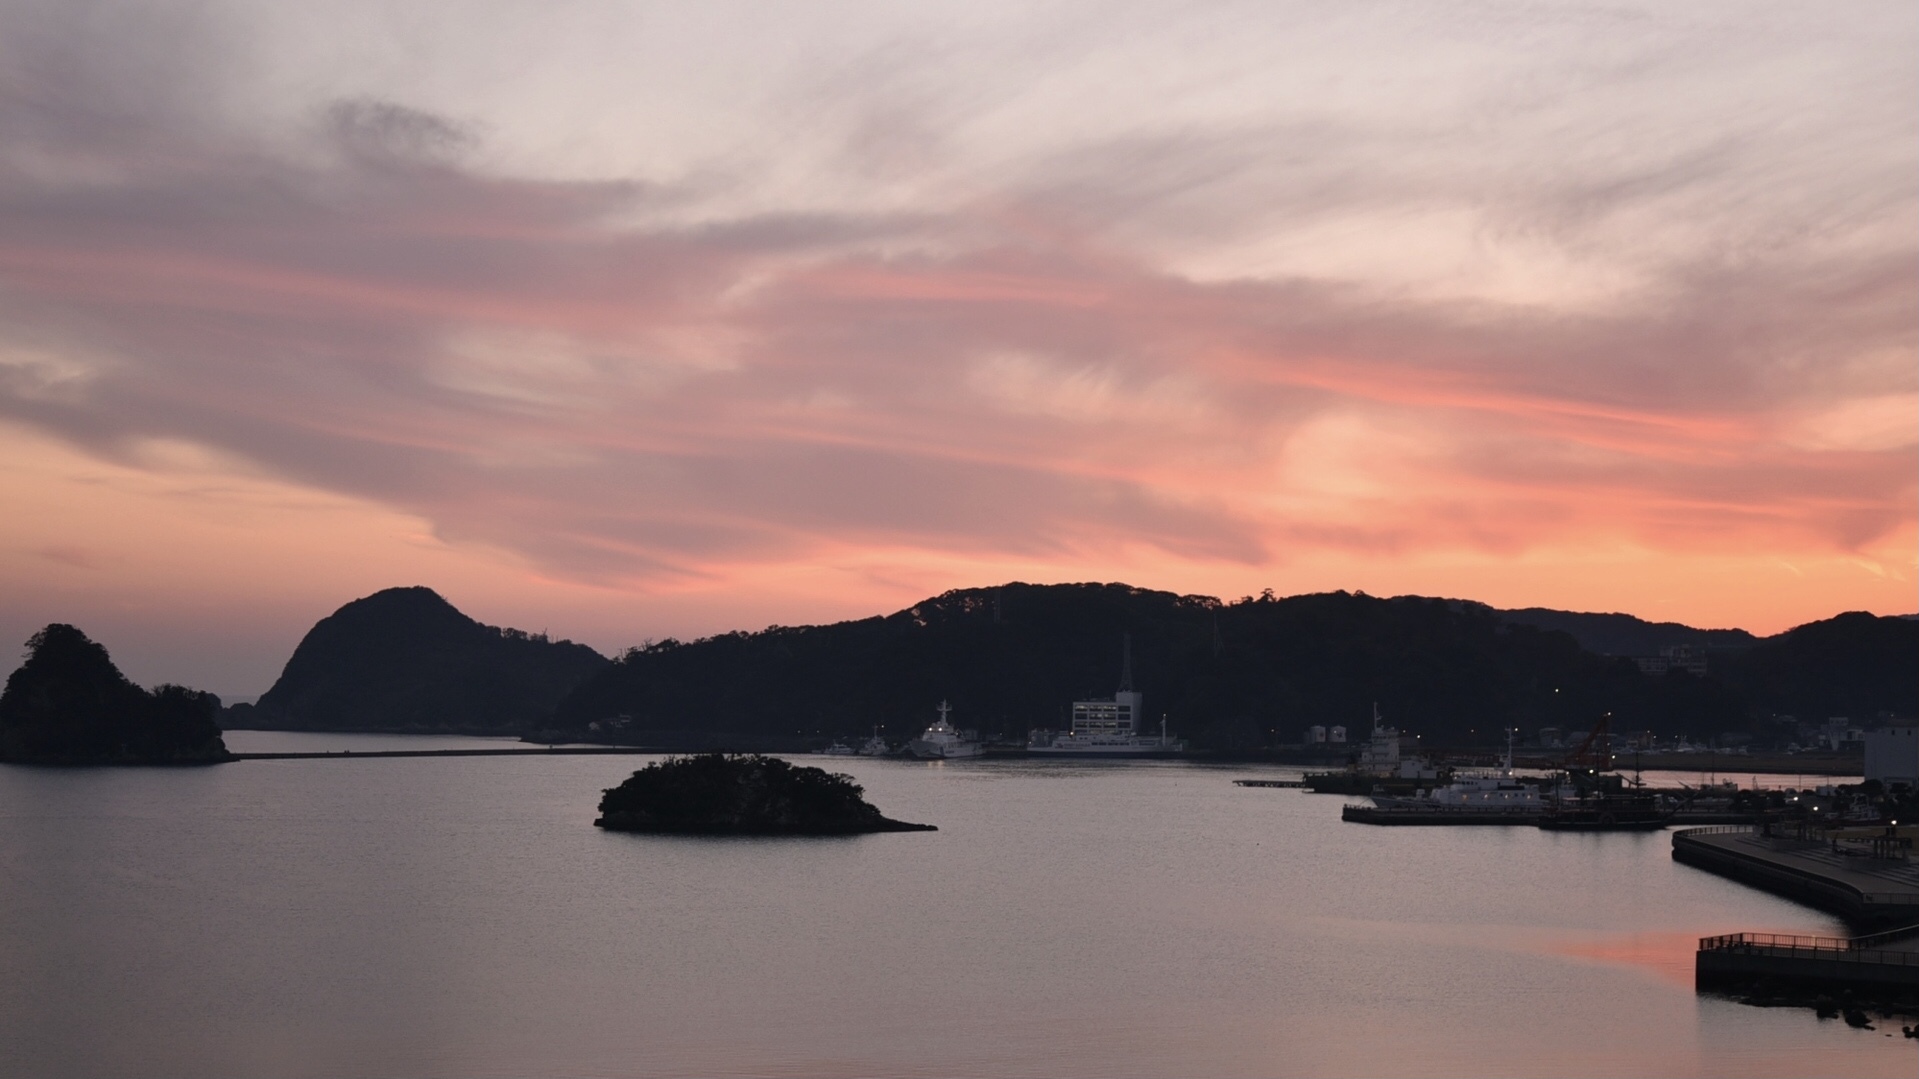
1855 664
69 704
406 660
1227 674
1625 635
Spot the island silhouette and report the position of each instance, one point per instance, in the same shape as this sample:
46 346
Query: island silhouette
69 704
742 794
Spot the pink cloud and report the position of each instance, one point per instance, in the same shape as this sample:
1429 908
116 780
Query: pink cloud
577 372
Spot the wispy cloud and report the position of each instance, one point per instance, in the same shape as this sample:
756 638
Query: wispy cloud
1555 306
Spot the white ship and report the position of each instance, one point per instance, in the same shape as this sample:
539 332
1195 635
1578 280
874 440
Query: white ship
1495 789
942 742
1108 728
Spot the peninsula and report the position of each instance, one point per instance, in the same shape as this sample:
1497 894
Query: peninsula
742 794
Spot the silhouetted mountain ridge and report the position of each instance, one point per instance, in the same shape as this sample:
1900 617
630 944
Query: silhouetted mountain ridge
1627 635
1237 674
405 659
1010 658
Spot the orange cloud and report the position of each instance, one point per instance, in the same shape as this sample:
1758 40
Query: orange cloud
662 395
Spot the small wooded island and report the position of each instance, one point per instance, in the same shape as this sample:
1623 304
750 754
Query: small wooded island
68 704
742 794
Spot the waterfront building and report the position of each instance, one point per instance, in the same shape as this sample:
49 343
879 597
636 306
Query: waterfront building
1892 754
1110 727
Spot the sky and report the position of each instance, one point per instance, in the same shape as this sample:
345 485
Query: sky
626 321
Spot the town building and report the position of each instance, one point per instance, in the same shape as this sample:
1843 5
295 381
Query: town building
1892 754
1674 657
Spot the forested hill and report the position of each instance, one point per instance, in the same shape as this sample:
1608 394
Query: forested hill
1626 635
1228 674
69 704
405 659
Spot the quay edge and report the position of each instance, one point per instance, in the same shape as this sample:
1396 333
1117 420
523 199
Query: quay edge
1719 850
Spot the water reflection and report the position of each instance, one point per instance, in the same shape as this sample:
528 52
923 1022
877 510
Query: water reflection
460 916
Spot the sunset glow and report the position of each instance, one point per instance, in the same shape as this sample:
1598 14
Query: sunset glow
633 322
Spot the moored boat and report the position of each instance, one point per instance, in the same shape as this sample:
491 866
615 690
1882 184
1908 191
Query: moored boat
942 741
1109 727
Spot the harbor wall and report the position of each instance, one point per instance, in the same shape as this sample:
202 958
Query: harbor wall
1694 847
1728 968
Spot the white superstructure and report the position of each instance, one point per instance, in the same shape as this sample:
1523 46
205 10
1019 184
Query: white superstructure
1109 728
942 741
1493 789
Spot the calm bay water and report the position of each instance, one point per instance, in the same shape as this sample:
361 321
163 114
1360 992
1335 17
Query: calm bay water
461 916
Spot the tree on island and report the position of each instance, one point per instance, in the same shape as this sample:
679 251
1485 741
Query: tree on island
742 794
68 704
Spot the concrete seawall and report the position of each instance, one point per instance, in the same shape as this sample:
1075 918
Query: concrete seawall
1737 961
1870 893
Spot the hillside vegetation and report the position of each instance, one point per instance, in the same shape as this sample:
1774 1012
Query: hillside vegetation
1228 674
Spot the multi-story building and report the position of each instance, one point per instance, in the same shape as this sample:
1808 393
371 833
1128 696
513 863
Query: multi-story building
1892 754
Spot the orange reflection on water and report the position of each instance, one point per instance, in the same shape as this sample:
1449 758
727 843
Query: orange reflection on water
1667 954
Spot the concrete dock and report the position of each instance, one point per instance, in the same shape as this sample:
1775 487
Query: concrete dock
1844 878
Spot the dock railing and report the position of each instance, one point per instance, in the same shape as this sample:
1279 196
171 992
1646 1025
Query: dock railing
1787 946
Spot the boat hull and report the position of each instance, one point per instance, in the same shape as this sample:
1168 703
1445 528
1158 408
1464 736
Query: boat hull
1602 823
1108 751
943 751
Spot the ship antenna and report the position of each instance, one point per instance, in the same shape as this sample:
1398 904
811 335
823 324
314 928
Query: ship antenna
1126 665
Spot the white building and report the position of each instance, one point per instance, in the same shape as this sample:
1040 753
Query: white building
1337 734
1892 754
1315 734
1118 717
